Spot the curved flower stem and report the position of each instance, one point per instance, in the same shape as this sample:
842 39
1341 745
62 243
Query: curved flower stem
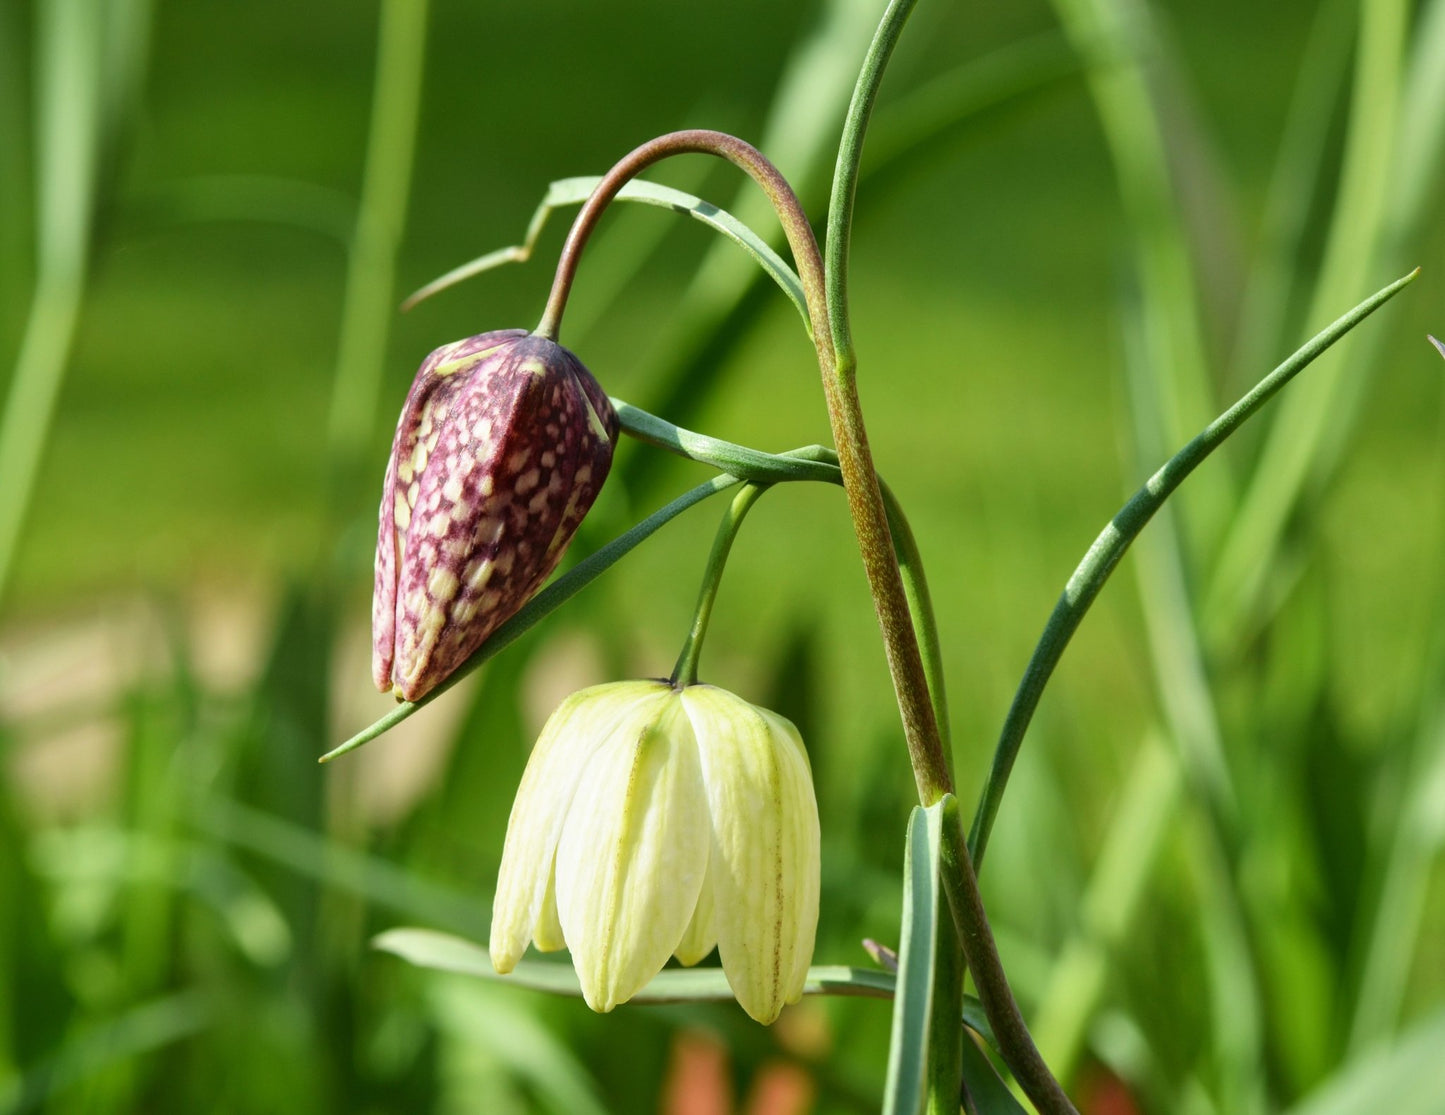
693 141
865 501
926 747
809 463
685 672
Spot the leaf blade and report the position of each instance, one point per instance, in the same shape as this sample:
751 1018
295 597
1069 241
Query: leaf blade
574 191
425 948
917 951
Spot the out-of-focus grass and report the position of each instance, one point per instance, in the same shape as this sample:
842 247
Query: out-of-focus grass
191 933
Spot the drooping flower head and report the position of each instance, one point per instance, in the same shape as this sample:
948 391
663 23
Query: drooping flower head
655 822
502 446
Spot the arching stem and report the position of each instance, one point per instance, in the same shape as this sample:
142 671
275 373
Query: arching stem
926 750
685 672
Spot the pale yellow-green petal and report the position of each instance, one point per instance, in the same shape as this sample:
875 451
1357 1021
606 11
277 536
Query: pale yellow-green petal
764 867
547 933
802 813
579 726
701 936
633 853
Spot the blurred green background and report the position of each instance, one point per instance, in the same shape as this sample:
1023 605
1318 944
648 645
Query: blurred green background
1083 228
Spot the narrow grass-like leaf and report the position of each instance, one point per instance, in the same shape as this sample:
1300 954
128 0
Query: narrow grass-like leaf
524 1046
251 197
770 467
371 264
1122 46
813 462
142 1029
1403 1078
903 1090
543 604
426 948
310 855
1306 433
67 154
1114 540
1131 848
983 1092
574 191
1410 856
926 113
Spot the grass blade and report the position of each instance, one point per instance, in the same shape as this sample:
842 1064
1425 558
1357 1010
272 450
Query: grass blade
983 1092
1114 540
426 948
1309 422
67 157
1406 1078
903 1091
371 264
574 191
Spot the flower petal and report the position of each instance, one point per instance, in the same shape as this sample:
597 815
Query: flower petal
764 866
633 853
701 936
523 906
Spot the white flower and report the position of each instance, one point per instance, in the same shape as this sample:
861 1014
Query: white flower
655 822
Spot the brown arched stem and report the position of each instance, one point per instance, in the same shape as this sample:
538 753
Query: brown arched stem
926 750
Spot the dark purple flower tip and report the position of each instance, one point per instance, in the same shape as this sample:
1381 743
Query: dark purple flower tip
502 446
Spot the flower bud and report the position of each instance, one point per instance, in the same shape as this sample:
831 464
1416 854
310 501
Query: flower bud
502 446
655 822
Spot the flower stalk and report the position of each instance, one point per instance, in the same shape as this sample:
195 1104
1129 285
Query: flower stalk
685 672
926 750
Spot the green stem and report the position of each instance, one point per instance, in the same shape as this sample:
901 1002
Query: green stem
67 151
1093 571
921 725
685 672
845 179
865 502
544 603
694 141
812 463
981 953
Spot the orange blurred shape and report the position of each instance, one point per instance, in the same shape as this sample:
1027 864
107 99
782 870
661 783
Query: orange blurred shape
1105 1094
781 1089
698 1081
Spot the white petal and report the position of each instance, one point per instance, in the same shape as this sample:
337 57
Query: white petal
633 853
547 933
701 936
569 738
804 817
764 866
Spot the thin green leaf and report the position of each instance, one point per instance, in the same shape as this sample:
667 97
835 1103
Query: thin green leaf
67 153
524 1047
574 191
1403 1078
1114 541
1110 906
426 948
983 1092
1305 437
380 221
813 462
94 1048
903 1091
251 197
545 602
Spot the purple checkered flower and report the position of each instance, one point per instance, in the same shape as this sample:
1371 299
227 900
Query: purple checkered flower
502 446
